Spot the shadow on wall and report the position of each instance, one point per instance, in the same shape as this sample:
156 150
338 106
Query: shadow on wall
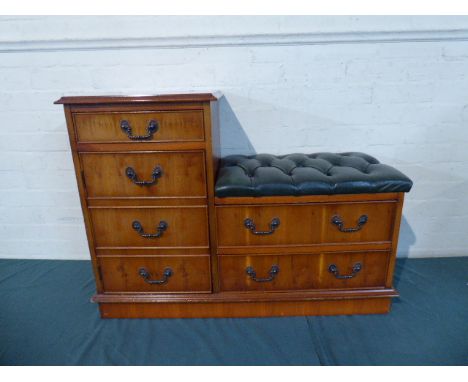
234 140
406 240
233 137
309 129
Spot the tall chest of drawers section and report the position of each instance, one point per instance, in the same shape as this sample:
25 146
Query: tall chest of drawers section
145 169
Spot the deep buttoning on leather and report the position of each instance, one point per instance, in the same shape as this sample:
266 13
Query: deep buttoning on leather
307 174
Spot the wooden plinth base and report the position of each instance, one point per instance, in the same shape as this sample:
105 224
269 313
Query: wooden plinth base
218 309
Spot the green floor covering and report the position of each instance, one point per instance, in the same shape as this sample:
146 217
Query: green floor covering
46 319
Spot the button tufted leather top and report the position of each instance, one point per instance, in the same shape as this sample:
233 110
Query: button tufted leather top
307 174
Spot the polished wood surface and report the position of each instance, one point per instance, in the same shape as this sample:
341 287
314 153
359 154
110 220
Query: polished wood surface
395 236
143 201
82 193
182 174
302 224
187 226
251 309
299 224
151 251
139 99
301 248
172 126
304 271
140 146
378 228
188 274
251 296
336 198
213 151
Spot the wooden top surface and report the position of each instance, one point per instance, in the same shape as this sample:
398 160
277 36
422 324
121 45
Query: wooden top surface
187 97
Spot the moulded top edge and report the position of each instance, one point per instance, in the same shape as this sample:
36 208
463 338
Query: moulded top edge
186 97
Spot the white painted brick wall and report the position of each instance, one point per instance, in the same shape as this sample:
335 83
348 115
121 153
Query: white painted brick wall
405 102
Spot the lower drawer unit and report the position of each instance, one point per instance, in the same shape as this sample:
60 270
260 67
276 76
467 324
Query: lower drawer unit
161 274
303 271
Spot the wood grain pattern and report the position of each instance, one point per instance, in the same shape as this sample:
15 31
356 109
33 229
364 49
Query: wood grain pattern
136 107
336 198
151 251
251 296
183 174
309 248
139 146
143 201
299 224
379 226
304 271
82 193
187 226
172 126
189 274
252 309
395 236
213 149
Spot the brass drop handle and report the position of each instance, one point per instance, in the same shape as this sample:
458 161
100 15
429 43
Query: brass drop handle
132 175
338 221
274 270
249 224
160 228
143 272
334 269
151 129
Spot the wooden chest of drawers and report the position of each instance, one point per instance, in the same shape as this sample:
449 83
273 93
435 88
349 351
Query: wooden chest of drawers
145 170
163 245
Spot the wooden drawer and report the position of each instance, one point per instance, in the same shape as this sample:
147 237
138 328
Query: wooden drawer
299 224
170 174
180 226
156 274
304 224
155 126
358 222
302 272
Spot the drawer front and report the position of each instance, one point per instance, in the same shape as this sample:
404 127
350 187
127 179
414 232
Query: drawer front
156 274
157 126
153 174
298 224
150 226
305 224
359 222
344 270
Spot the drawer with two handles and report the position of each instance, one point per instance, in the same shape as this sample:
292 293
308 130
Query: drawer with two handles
281 272
247 226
